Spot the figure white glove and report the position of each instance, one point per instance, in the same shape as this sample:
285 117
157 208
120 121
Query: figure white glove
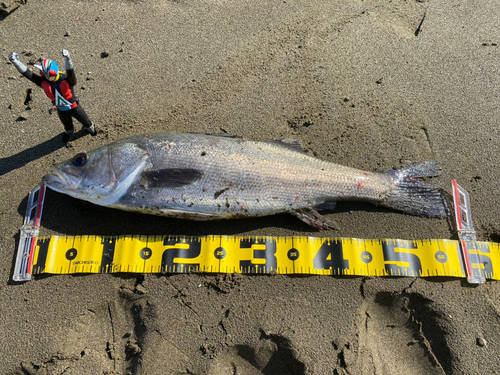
13 56
68 64
14 59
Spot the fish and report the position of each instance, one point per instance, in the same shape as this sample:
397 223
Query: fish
198 176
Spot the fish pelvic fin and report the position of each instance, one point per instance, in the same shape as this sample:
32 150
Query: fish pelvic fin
311 217
414 194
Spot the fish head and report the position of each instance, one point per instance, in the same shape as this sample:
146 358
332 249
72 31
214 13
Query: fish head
100 176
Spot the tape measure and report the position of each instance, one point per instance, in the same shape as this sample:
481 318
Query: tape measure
256 255
261 255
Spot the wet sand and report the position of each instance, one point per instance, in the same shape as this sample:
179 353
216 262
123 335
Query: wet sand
368 84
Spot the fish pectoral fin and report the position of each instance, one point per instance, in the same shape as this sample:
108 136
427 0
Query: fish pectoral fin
170 177
221 135
311 217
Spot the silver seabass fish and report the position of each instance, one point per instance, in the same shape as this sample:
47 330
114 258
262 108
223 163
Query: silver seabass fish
205 177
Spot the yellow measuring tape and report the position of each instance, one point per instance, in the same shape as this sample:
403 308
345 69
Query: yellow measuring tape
261 255
468 258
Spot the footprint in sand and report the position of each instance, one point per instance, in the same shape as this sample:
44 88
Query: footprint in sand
405 18
273 355
389 340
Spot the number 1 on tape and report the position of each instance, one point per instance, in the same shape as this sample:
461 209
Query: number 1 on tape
467 235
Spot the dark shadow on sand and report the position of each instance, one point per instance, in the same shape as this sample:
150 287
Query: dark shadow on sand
71 216
24 157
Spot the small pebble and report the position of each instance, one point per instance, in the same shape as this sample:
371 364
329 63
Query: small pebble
481 342
349 356
140 289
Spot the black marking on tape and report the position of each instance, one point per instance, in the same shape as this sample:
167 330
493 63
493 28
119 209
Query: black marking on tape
43 249
108 253
293 254
71 254
268 253
220 253
169 255
366 257
394 251
334 250
146 253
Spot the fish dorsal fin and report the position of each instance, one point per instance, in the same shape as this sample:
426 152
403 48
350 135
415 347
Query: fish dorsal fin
170 177
291 144
221 135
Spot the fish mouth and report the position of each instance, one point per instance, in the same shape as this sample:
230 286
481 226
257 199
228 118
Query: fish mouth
59 180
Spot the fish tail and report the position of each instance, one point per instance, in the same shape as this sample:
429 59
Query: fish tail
412 194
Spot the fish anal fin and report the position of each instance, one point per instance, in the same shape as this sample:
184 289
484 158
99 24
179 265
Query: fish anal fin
328 206
170 177
311 217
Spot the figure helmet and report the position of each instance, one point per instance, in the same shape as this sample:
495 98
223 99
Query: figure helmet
49 68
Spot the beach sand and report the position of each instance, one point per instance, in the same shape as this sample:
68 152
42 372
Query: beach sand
370 84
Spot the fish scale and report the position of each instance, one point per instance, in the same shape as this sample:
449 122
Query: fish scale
203 177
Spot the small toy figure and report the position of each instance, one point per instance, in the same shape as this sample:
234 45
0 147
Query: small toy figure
59 88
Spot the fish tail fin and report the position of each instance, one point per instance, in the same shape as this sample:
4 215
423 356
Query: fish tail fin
414 195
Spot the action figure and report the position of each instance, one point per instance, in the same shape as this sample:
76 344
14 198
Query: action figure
59 88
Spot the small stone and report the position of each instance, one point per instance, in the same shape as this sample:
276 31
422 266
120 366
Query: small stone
133 348
481 342
140 289
349 356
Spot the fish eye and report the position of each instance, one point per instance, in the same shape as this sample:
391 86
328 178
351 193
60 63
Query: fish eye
80 159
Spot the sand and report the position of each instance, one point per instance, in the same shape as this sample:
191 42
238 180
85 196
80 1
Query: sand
371 84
